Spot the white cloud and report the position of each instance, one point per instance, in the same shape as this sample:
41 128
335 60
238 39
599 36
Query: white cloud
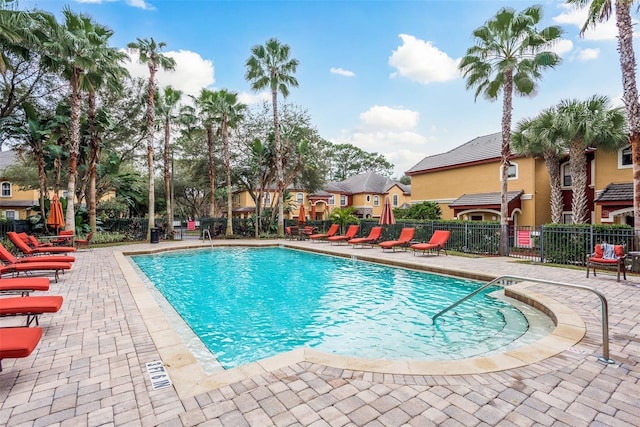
421 61
578 16
254 98
382 117
588 54
561 47
192 73
141 4
390 132
342 72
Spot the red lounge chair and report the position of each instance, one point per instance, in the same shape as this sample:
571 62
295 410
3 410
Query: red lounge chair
307 231
371 239
437 241
23 285
18 342
333 230
31 307
29 267
608 256
9 258
25 249
350 234
65 238
85 243
406 235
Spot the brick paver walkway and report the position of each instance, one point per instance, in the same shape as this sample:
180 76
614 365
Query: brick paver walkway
89 369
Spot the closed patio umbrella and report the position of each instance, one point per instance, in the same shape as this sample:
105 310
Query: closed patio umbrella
387 213
301 215
56 217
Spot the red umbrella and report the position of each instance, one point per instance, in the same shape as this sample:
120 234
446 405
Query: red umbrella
56 217
301 218
387 213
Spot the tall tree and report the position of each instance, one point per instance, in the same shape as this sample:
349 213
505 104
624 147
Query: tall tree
509 56
167 109
600 11
108 72
206 104
229 112
587 124
539 137
150 53
270 66
71 50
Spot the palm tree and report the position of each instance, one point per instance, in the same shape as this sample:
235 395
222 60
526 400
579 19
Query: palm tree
270 66
538 137
150 53
167 106
107 73
207 109
229 113
587 124
600 11
71 49
508 57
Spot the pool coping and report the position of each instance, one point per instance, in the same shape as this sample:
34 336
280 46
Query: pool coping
190 378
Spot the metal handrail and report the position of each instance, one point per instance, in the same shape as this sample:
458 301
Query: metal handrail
208 233
511 279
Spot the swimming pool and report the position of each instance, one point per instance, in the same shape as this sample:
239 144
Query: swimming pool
246 304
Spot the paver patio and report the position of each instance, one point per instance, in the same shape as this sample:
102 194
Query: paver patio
89 368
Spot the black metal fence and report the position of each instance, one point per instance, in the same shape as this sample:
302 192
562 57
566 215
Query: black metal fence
552 243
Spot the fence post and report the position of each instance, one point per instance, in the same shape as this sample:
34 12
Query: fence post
542 244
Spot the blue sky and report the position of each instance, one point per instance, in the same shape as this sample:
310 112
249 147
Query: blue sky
381 75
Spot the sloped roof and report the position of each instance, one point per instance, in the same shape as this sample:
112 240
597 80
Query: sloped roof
484 199
7 158
369 182
616 193
478 149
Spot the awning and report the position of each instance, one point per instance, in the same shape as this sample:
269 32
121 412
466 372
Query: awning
486 201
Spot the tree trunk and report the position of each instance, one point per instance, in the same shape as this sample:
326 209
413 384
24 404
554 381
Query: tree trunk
557 203
212 173
93 160
578 168
42 181
74 150
279 171
504 161
150 135
227 165
167 177
630 96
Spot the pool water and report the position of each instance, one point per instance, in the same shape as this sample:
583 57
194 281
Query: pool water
246 304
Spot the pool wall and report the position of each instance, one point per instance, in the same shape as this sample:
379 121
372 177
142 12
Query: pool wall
190 378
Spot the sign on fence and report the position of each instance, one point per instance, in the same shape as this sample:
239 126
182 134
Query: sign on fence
524 239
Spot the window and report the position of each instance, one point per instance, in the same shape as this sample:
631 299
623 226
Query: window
376 200
267 198
624 158
565 173
567 218
477 217
368 198
343 200
332 200
395 200
6 189
512 172
300 198
10 214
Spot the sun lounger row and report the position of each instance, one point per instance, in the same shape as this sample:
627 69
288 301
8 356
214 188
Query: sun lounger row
18 342
436 243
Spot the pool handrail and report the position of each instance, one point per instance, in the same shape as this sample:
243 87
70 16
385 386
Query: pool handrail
208 233
508 280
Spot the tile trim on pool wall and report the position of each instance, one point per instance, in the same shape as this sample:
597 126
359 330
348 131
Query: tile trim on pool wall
190 378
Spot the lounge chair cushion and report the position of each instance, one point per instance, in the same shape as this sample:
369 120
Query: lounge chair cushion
18 342
30 305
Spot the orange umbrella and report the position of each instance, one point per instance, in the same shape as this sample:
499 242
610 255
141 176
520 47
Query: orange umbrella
301 214
387 213
56 217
